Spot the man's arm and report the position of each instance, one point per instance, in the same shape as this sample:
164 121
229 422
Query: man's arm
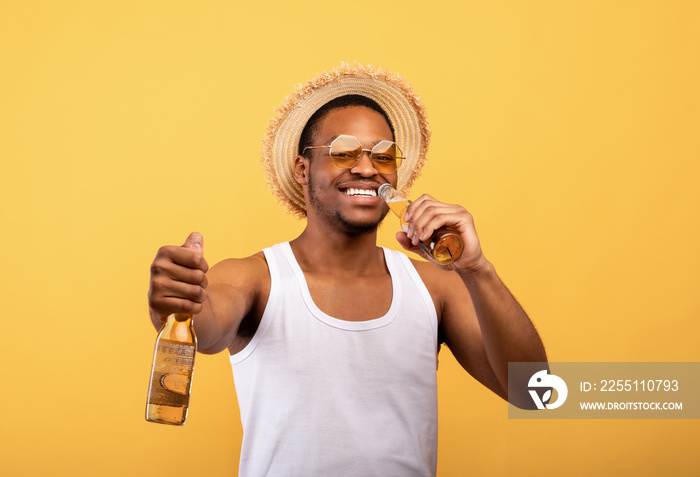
219 299
481 322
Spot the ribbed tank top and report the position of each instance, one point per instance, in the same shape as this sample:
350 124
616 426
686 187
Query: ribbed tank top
320 396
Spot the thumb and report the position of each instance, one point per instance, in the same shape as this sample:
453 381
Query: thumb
406 243
195 241
403 240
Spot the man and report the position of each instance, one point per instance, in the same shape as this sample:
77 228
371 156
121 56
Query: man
333 341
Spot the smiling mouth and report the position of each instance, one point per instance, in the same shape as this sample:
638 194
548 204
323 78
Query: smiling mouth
351 191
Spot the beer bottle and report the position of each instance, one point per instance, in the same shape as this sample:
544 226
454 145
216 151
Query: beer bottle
171 373
444 246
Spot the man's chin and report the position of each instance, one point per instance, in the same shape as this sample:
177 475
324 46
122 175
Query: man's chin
358 226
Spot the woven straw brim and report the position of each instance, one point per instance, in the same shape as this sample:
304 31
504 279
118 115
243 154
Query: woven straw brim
403 107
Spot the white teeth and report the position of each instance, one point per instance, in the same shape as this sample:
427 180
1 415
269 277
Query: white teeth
360 192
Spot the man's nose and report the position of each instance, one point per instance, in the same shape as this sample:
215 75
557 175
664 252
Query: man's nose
365 166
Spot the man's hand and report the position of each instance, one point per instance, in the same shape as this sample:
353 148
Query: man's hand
178 279
426 215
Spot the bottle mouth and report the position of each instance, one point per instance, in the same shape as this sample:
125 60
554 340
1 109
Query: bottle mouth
384 191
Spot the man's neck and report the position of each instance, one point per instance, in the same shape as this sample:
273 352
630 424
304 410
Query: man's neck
338 253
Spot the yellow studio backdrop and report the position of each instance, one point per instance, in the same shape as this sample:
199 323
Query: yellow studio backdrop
568 129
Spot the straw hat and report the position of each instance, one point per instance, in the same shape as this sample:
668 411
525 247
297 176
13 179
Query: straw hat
396 97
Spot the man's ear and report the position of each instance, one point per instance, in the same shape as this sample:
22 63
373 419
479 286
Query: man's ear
301 170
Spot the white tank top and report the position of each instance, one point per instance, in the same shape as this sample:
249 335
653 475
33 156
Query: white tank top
321 396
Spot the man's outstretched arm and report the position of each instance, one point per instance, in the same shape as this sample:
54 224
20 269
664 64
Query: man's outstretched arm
218 298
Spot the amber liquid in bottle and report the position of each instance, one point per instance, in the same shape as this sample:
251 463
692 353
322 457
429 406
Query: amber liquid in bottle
171 374
444 246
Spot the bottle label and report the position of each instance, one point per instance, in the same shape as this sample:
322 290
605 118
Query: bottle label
172 373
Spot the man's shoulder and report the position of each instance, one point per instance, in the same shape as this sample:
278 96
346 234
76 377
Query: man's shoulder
253 263
251 270
438 281
428 271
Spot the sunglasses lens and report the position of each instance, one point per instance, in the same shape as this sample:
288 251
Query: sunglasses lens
345 151
386 157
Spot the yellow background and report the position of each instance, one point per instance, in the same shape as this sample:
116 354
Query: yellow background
569 130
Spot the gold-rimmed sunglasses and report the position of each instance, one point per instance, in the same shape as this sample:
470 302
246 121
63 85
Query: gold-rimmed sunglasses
346 151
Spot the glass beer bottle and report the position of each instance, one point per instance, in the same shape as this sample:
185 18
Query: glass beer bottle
444 246
171 373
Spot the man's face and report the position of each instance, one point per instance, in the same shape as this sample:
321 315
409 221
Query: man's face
347 198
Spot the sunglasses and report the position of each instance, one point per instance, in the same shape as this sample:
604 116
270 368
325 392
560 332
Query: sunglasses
346 151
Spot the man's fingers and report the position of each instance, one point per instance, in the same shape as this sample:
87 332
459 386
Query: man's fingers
178 278
416 206
179 272
164 290
426 215
169 305
194 293
183 256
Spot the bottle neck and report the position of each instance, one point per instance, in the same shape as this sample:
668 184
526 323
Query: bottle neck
180 317
179 327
